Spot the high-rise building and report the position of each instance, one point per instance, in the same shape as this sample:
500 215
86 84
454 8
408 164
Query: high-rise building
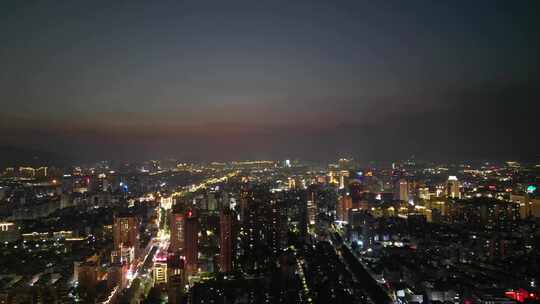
528 206
402 190
116 275
453 187
41 172
212 201
101 183
345 163
287 163
343 178
86 273
9 232
175 289
176 267
126 233
225 240
9 172
177 223
27 172
256 234
423 193
292 183
356 190
311 208
274 230
191 240
342 210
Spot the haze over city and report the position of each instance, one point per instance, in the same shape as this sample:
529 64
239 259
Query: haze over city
241 79
277 152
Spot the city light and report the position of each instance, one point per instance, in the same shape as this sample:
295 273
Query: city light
321 152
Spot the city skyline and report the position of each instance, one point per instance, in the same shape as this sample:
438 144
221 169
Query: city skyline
272 151
282 232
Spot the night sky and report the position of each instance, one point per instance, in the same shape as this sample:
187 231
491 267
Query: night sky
221 80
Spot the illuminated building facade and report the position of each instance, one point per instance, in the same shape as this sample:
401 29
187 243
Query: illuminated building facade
176 279
27 172
453 187
177 223
41 172
226 240
345 163
528 206
126 234
86 274
9 232
160 272
311 208
402 190
342 210
191 240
